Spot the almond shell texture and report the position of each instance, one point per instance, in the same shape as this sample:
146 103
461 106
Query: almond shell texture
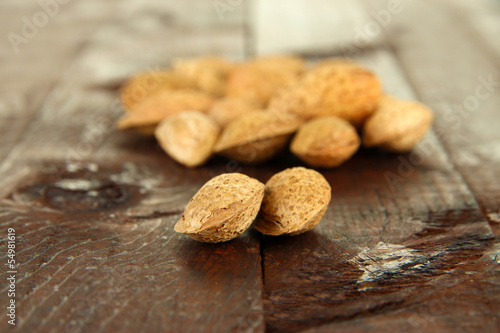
294 202
222 209
325 142
397 125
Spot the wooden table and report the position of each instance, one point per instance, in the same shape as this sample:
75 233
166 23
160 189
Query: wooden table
410 243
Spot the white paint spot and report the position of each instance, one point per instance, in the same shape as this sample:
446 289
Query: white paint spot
386 258
92 167
72 167
78 184
495 217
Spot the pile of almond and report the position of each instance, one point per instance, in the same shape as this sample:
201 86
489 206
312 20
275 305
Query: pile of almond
252 111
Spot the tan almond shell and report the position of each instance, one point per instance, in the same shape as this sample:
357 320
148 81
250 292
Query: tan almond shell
261 78
334 88
228 109
258 151
325 142
188 137
158 106
222 209
294 202
397 125
142 85
256 136
208 74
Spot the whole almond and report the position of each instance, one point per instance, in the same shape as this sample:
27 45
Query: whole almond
294 202
256 136
161 104
142 85
325 142
222 209
397 125
260 78
228 109
208 74
188 137
332 88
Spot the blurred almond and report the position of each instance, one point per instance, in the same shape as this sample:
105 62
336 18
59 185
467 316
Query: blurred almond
260 78
164 103
208 74
256 136
325 142
332 88
228 109
397 125
139 87
188 137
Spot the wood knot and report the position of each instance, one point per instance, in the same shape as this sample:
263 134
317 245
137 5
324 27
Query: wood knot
84 189
77 194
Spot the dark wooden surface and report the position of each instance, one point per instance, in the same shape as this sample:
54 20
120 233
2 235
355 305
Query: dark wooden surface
410 242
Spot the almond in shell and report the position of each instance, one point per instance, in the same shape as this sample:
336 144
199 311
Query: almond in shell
256 136
222 209
188 137
325 142
294 202
397 125
228 109
260 78
142 85
158 106
208 74
333 88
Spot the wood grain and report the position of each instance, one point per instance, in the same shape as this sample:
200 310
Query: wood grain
465 98
403 236
90 261
94 208
34 65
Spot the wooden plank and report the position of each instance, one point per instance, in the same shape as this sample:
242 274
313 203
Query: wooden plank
94 208
33 63
481 18
382 253
403 245
107 264
465 97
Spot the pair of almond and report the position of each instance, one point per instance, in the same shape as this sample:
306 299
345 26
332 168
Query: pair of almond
291 202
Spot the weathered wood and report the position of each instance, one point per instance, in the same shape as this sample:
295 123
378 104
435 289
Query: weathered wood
482 18
94 208
406 244
403 245
91 261
464 90
34 56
